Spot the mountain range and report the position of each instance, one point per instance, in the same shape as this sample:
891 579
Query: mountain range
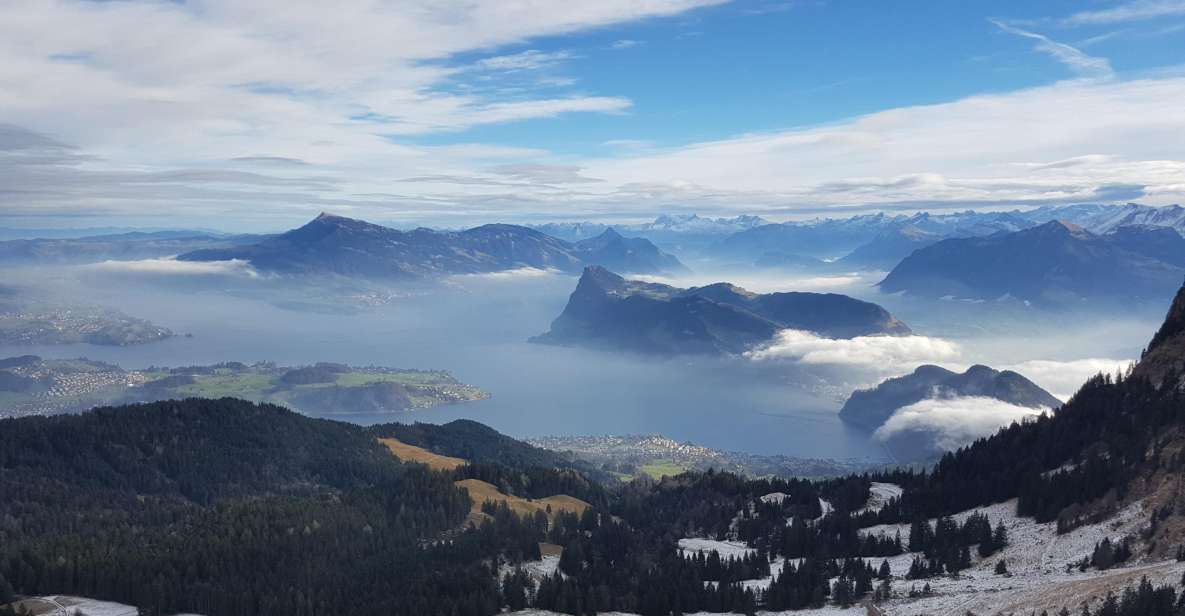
610 312
1104 218
679 232
348 247
881 240
835 238
123 246
874 241
889 247
1056 264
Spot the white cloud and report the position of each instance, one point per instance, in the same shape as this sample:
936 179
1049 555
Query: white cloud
881 354
543 108
172 267
1122 132
870 359
954 422
1131 11
529 60
1063 378
331 85
321 102
625 43
1077 161
770 283
520 273
1072 57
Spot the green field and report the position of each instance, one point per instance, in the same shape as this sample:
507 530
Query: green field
252 386
404 378
338 390
659 468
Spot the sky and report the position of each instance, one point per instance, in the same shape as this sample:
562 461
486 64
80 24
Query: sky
256 116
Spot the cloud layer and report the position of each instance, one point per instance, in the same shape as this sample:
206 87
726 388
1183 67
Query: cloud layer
954 422
1063 378
172 267
882 354
334 88
918 156
871 359
272 112
519 273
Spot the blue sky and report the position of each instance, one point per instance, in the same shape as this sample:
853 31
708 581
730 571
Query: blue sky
432 113
757 66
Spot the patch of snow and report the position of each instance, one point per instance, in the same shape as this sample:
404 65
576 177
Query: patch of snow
1038 546
775 497
551 613
1037 559
537 569
823 611
775 569
727 549
880 494
64 605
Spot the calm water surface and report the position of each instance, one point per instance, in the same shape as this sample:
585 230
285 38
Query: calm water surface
478 331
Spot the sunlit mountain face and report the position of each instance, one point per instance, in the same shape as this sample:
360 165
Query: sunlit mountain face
648 309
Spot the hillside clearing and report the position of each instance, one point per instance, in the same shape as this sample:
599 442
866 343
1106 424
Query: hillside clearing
411 453
480 492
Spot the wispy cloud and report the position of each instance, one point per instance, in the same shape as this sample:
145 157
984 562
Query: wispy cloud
520 273
1131 11
1075 59
529 60
547 174
340 87
625 43
359 94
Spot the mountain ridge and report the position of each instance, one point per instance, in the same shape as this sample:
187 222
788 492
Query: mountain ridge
331 244
1056 264
608 311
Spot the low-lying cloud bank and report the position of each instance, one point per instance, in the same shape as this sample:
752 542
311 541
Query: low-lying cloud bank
519 273
880 357
1063 378
770 283
951 423
889 355
173 267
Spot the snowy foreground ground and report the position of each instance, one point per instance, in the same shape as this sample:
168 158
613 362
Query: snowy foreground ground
1037 558
61 605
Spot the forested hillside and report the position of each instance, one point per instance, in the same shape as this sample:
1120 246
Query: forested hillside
228 507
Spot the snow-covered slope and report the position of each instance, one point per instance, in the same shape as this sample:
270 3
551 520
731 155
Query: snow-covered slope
62 605
1102 219
1041 563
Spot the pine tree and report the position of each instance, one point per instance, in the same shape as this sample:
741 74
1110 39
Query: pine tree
842 593
1000 536
1110 606
7 594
